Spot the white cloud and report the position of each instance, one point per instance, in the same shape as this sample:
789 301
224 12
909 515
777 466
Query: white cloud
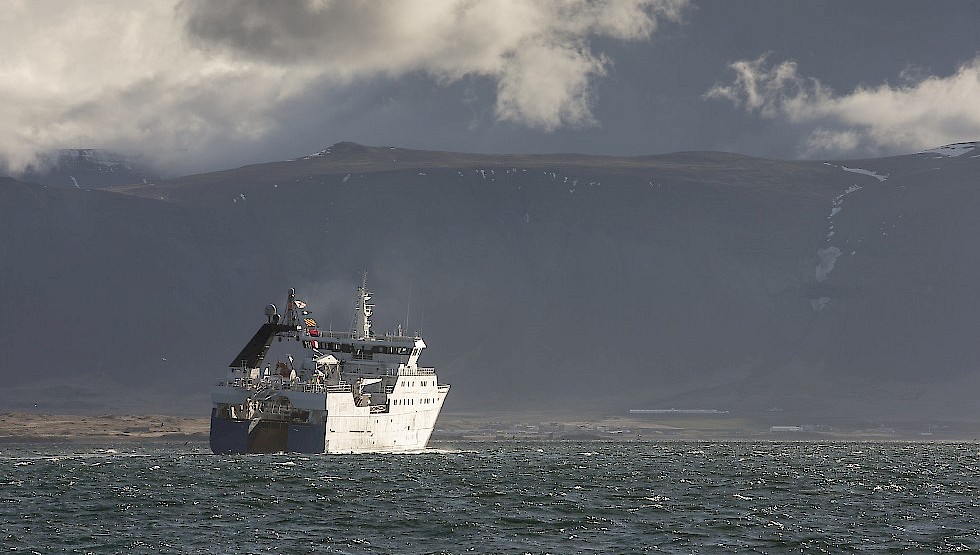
920 113
172 76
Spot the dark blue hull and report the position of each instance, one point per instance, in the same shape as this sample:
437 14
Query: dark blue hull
230 436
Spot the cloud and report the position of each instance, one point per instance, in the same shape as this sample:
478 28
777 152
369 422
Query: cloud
119 75
922 112
179 77
537 52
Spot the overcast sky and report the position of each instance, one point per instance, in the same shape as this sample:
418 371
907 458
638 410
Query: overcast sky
206 85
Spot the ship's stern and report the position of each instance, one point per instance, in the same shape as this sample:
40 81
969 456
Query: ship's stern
228 435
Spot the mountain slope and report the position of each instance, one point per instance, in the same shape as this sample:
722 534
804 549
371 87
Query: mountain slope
541 283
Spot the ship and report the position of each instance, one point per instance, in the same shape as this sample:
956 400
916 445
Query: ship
322 391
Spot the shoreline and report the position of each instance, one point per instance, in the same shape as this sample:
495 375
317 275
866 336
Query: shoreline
29 428
47 428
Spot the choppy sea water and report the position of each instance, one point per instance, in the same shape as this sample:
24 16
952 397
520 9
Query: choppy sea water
509 497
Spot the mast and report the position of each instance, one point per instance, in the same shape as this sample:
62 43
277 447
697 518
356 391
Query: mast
362 311
291 317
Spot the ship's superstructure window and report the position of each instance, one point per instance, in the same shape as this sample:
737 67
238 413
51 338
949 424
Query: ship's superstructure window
363 350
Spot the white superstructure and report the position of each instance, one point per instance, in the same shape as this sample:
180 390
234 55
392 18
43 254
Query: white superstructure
326 391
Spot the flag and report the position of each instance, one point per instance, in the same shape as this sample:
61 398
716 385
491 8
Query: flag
299 304
310 323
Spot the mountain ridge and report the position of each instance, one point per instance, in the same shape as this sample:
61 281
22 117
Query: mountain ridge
345 157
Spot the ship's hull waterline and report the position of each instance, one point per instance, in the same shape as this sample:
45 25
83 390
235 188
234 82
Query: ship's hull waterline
407 432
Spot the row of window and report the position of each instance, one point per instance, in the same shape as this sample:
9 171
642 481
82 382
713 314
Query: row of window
426 401
360 352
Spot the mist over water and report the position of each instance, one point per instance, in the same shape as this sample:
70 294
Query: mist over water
500 497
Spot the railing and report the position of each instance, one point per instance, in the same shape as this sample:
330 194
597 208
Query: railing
244 383
278 409
285 385
349 335
311 387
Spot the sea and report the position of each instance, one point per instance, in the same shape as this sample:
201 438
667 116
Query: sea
496 497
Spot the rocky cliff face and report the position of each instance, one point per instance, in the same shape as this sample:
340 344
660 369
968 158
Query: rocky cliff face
555 283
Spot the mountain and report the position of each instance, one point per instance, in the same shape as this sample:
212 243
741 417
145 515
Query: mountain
86 168
547 283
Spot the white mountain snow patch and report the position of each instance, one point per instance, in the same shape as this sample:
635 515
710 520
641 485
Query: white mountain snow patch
836 207
955 149
877 176
827 258
818 304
